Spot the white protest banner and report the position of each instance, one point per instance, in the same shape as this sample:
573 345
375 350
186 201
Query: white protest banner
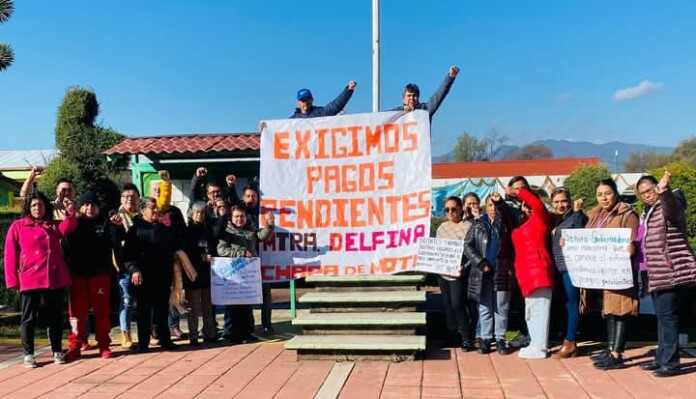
351 194
235 281
598 258
440 256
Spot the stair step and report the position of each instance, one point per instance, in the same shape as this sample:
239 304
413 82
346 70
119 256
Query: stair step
372 343
359 319
374 297
362 281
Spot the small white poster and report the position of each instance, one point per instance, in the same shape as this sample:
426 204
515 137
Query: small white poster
440 256
598 258
235 281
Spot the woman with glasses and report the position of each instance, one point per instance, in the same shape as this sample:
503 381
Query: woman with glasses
617 305
566 217
453 289
670 264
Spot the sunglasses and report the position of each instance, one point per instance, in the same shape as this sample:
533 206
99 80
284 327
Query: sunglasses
448 210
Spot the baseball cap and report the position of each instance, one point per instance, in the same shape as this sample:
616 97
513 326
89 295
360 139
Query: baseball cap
304 93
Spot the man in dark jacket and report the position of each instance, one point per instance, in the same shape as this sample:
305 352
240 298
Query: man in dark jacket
411 95
305 103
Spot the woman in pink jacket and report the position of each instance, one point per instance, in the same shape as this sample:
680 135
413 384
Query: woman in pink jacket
35 267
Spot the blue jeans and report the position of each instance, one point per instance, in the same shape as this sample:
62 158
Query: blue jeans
493 310
126 304
572 306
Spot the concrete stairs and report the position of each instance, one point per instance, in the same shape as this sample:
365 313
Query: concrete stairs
361 318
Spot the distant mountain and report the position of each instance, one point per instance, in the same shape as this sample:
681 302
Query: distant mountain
606 152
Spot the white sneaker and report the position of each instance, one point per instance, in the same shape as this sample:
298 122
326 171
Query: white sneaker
531 352
59 358
30 362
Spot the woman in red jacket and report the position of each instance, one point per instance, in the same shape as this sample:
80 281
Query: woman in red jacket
35 267
534 271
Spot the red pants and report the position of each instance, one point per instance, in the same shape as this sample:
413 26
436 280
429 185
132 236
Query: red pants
86 292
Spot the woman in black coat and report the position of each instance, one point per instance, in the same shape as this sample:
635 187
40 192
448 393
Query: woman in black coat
199 244
148 254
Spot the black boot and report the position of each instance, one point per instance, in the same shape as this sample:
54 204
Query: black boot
611 333
485 347
502 347
621 330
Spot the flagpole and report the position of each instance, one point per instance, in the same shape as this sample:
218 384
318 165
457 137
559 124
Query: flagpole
375 55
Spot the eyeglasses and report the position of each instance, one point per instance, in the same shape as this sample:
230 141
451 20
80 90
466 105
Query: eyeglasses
448 210
647 191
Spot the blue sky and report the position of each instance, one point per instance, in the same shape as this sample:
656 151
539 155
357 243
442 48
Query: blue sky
581 70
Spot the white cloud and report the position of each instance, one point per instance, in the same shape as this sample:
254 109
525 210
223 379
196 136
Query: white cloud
643 89
563 97
495 121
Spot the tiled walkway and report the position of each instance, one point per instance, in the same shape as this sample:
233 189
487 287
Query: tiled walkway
265 370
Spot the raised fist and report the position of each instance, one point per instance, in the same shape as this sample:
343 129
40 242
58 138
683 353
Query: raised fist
453 71
164 175
201 172
351 85
230 179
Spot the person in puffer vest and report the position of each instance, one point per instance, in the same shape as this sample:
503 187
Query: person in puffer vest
670 263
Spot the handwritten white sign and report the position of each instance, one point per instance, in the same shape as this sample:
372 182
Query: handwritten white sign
598 258
235 281
440 256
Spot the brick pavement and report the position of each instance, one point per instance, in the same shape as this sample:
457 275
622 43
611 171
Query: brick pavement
265 370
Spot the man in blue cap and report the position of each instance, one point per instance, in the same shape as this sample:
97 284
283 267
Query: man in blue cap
306 109
411 95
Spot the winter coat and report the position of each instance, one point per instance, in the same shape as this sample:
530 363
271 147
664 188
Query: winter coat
330 109
149 249
615 302
670 260
476 245
571 220
533 261
235 241
90 247
199 243
33 254
436 99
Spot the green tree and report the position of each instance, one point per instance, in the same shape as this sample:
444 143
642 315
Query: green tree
81 144
469 149
6 54
531 151
686 152
582 183
639 161
683 177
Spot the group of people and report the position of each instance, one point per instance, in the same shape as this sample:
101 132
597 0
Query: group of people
145 246
515 246
149 249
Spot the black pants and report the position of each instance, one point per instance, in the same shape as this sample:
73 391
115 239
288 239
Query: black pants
153 307
455 302
48 305
666 309
240 323
266 306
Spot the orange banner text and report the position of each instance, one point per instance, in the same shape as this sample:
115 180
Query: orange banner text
349 212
